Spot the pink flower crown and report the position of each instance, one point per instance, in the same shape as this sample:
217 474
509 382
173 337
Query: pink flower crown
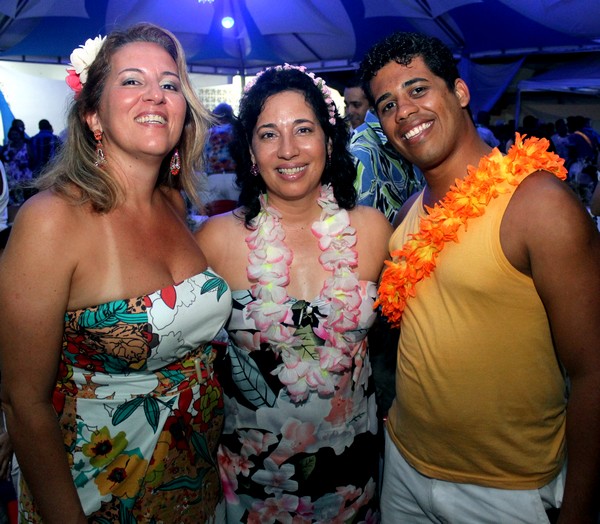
317 80
81 60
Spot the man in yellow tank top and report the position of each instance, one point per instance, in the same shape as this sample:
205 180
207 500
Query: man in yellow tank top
495 285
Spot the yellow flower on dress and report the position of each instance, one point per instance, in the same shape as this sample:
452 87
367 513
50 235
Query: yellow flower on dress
103 448
122 478
208 402
467 199
156 468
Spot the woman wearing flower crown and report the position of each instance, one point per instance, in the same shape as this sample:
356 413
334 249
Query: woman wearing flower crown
300 440
112 405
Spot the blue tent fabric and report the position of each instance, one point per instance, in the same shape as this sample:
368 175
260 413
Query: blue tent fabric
324 34
487 82
7 115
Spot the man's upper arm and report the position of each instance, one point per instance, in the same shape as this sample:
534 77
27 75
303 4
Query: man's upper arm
564 252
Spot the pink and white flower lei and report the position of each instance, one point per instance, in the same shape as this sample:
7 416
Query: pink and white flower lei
269 265
317 80
81 60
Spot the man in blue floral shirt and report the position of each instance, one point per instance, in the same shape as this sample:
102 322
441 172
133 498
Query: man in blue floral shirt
384 179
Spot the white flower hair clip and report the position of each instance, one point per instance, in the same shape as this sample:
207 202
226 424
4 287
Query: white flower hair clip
317 80
81 60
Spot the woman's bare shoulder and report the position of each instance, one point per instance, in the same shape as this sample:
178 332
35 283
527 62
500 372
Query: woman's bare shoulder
368 217
222 240
43 247
220 226
48 212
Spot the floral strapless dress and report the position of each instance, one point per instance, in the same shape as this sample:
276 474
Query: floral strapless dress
139 407
312 461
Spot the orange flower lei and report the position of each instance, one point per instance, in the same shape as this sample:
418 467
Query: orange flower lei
416 260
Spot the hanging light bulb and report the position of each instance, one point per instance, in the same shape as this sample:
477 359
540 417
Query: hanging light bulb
227 14
227 22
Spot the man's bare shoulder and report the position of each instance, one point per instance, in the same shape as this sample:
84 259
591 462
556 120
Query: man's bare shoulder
541 195
543 215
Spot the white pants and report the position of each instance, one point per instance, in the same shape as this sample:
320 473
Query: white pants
412 498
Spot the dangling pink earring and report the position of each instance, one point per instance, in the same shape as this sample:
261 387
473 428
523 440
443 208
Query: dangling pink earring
100 158
175 165
254 170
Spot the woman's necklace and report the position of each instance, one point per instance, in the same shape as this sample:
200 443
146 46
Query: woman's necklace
416 260
305 368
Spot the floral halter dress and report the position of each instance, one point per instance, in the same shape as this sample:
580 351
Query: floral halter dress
300 439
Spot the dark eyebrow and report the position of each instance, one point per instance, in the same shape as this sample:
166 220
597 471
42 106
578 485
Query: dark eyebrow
137 70
406 84
413 81
304 121
382 98
270 125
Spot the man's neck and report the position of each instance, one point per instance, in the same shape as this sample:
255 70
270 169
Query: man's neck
440 178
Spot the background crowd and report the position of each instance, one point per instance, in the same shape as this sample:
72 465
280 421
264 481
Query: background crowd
572 138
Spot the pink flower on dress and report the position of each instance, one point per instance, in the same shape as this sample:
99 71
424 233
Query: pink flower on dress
296 438
227 474
255 442
305 508
361 498
276 479
341 410
273 510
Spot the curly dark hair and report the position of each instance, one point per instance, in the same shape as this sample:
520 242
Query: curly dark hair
339 170
402 48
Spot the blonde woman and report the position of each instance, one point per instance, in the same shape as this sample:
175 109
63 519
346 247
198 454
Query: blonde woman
108 303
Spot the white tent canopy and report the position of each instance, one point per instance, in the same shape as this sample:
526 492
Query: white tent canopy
579 79
580 76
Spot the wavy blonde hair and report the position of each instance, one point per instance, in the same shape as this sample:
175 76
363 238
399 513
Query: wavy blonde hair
74 173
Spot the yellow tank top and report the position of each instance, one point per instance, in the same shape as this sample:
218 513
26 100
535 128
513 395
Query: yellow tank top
480 397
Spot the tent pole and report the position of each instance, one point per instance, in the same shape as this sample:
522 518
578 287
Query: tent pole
517 110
